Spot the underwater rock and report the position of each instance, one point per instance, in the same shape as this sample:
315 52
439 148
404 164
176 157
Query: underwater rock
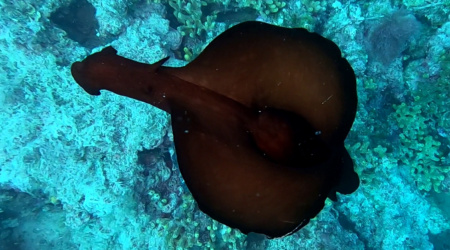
79 22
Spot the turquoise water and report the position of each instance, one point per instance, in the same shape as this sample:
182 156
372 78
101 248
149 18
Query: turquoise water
84 172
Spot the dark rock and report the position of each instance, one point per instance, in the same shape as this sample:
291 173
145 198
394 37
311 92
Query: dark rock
79 22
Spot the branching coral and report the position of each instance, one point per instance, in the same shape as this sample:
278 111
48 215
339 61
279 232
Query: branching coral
189 15
197 18
420 149
192 229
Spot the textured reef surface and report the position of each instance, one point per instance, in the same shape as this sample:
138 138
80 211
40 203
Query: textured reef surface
74 167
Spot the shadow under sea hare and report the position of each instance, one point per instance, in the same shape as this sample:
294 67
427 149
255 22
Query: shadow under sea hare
259 120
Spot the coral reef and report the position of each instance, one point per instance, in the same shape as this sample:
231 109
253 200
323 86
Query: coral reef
305 14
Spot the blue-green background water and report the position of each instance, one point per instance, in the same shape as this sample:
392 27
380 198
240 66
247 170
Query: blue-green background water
82 172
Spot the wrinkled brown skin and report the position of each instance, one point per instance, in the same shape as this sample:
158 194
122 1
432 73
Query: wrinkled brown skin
259 119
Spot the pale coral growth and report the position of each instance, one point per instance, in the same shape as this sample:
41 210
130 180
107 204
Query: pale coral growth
390 37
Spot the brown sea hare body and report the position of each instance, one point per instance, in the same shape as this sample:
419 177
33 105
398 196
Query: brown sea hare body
259 120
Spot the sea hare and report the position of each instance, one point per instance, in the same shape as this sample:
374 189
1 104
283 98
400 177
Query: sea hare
259 120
